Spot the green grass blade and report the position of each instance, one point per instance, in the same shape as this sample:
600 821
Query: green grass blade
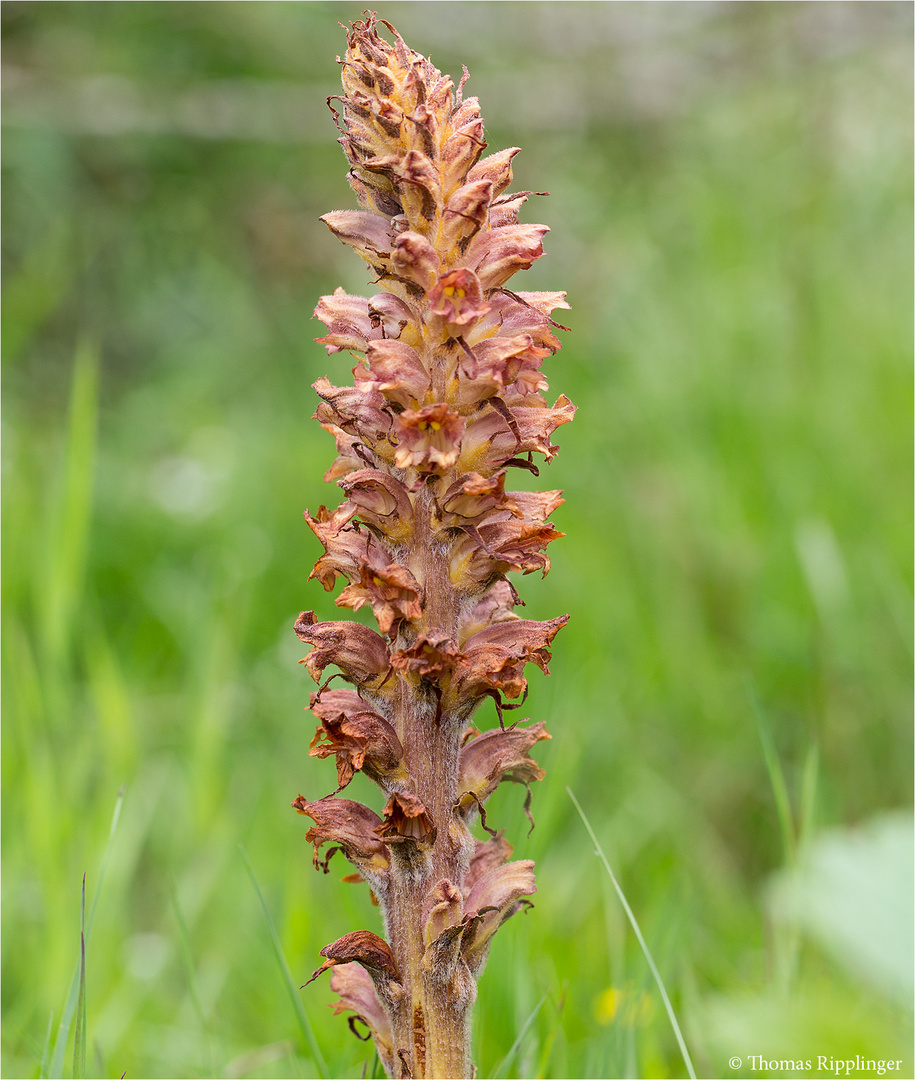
63 1030
79 1043
69 537
46 1052
187 956
302 1017
776 777
633 922
519 1038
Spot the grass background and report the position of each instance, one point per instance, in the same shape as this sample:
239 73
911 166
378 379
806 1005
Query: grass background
730 205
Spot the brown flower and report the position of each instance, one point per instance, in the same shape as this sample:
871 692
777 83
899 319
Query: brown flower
359 652
457 298
367 949
359 737
496 896
393 592
353 827
396 372
429 438
500 755
381 500
494 658
405 819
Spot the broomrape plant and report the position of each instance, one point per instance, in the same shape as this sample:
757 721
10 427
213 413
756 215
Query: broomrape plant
447 397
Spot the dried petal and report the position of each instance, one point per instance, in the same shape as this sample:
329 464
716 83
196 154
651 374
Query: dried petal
381 500
359 652
405 819
359 737
365 948
500 755
496 896
396 372
427 658
494 658
393 592
350 825
357 993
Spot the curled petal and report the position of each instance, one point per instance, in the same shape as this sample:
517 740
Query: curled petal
405 819
500 361
393 592
500 547
511 315
350 825
356 990
500 755
416 259
396 372
536 505
536 424
359 737
355 411
367 233
496 896
494 658
428 658
473 496
347 320
344 546
381 500
518 544
368 949
499 253
359 652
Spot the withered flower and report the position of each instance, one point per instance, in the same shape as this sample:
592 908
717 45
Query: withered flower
447 398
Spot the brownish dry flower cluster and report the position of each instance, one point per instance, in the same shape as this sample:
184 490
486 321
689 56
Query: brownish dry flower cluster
447 397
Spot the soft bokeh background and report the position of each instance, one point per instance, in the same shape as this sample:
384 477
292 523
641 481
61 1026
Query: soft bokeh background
730 205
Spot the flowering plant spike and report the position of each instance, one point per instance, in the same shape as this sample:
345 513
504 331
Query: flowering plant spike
447 399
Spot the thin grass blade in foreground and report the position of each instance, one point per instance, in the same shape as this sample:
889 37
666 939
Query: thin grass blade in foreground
302 1017
633 922
76 986
447 400
79 1043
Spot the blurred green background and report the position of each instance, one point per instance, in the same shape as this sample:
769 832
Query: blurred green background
730 703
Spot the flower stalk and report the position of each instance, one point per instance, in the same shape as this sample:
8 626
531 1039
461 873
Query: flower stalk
447 398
